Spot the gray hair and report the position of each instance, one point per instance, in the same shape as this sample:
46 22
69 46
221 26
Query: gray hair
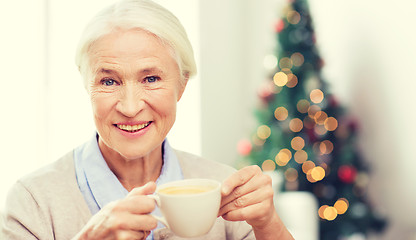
138 14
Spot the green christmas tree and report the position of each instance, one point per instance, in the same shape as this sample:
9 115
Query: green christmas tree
306 135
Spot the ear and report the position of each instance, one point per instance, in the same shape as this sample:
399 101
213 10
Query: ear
182 86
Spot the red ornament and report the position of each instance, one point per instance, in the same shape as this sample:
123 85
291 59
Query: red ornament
244 147
279 26
347 173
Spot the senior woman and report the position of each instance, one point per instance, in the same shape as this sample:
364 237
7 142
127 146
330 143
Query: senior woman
135 60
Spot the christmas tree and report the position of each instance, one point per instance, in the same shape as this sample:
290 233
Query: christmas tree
305 133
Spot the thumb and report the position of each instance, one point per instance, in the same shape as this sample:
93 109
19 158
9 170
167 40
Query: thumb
146 189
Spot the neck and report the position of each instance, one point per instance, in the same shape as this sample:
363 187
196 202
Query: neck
137 172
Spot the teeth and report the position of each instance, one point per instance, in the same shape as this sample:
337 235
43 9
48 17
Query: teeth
132 128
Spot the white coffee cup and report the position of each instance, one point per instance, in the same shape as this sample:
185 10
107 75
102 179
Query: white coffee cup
189 207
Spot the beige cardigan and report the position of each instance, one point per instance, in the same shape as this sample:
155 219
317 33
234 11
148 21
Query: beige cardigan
48 204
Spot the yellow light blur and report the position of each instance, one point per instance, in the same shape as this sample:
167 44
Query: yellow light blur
331 124
318 173
292 80
301 156
293 17
297 143
285 63
283 157
281 113
330 213
296 125
268 165
280 79
321 211
263 132
326 147
303 106
297 59
316 96
320 117
307 166
341 205
291 175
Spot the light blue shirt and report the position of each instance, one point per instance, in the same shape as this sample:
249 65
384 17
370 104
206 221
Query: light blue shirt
100 186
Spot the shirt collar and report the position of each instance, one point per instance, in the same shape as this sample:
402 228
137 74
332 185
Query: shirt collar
104 185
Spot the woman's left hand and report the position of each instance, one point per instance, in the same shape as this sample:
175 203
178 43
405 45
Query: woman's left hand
247 195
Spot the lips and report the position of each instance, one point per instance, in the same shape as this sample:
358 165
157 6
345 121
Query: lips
132 127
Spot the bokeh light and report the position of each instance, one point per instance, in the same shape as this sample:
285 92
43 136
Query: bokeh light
296 125
313 109
301 156
263 132
297 143
317 173
297 59
291 175
283 157
280 79
293 17
331 124
321 211
292 80
341 205
303 106
326 147
281 113
320 117
307 166
330 213
316 96
285 63
268 165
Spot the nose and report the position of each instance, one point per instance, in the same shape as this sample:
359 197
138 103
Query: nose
130 101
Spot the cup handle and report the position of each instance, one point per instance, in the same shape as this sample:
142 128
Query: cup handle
158 203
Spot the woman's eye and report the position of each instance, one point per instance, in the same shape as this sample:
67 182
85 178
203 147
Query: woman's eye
151 79
108 82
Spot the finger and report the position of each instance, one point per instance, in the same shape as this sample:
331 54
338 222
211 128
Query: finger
130 235
252 214
135 204
257 182
146 189
239 178
252 198
133 222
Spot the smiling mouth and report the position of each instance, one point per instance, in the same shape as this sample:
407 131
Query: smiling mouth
132 128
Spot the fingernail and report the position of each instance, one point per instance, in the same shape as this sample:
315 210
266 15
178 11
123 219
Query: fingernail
225 189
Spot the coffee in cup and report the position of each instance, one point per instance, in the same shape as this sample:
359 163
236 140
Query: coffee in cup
189 207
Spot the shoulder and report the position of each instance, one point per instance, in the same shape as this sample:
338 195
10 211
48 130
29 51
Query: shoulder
194 166
46 195
47 176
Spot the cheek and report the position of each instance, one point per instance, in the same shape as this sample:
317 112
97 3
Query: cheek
101 105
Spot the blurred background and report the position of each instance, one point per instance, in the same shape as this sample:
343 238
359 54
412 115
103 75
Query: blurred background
369 59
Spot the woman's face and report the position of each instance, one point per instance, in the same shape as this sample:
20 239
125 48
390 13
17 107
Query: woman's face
134 89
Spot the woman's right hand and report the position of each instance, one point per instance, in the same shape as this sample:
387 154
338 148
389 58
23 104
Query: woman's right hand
126 218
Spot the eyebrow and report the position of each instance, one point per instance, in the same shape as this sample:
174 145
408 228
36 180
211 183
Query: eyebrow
142 71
